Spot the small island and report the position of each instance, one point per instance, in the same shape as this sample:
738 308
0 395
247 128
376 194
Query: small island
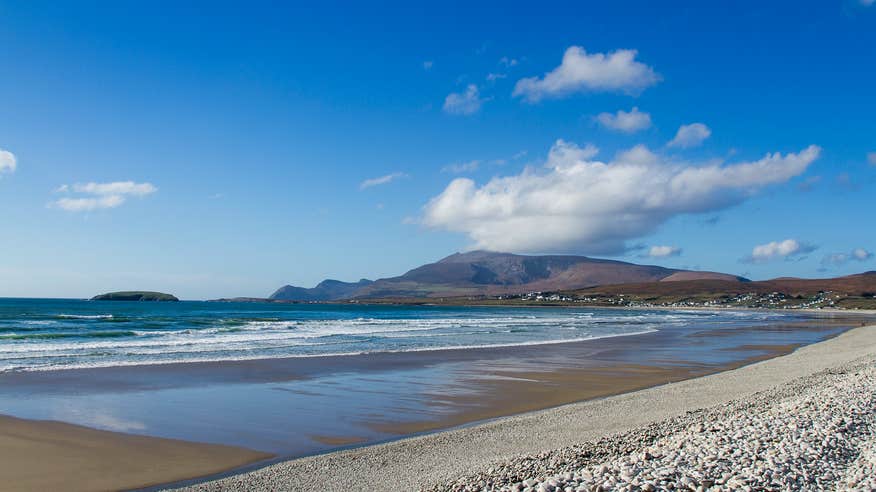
135 296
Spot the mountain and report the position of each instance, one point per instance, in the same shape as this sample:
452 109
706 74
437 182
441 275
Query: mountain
135 296
489 273
327 290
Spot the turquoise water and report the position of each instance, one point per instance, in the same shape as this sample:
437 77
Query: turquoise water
47 334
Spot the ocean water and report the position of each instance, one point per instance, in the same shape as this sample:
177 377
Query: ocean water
50 334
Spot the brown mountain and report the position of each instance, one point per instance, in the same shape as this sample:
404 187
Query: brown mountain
489 273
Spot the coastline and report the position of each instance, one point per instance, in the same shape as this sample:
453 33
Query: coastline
518 390
432 459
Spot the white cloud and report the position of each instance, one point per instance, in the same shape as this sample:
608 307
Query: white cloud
663 251
101 195
8 162
381 180
465 103
116 188
867 3
427 65
857 254
577 204
623 121
462 167
690 135
774 250
579 71
492 77
861 254
871 158
507 62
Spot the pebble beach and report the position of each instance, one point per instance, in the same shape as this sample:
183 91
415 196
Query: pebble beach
804 421
817 433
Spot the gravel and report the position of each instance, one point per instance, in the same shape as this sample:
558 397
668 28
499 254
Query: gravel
817 433
806 418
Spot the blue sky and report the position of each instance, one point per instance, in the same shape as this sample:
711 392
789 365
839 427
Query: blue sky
225 149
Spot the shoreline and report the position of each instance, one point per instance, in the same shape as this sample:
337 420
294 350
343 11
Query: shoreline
440 457
523 390
849 315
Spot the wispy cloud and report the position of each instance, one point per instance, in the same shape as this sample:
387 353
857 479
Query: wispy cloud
381 180
464 103
8 162
100 195
779 250
623 121
690 136
508 62
837 259
492 77
462 167
427 65
663 251
871 158
809 183
580 71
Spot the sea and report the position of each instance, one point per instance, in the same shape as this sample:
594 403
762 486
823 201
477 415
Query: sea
58 334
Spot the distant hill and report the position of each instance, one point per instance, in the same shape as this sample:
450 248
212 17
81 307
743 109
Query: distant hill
480 273
327 290
135 296
862 284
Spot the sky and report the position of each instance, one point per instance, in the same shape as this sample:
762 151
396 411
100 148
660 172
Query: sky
224 149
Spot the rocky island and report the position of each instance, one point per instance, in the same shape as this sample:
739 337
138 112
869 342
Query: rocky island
135 295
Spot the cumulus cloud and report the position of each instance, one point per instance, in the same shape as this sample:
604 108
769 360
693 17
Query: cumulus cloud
100 195
462 167
871 158
380 180
578 204
580 71
690 135
464 103
775 250
623 121
663 251
837 259
8 162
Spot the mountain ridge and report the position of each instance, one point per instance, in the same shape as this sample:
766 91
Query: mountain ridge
492 273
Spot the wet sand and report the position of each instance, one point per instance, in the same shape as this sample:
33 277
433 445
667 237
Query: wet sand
40 455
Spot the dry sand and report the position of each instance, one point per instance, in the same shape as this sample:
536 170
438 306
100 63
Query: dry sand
43 456
426 460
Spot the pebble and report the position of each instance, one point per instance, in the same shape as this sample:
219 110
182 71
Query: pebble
818 433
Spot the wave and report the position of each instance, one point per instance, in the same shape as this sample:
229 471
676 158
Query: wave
243 335
84 316
53 336
197 359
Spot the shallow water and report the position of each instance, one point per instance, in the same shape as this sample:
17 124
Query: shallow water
42 334
304 403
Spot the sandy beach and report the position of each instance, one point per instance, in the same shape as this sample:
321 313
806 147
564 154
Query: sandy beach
40 455
437 460
307 406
